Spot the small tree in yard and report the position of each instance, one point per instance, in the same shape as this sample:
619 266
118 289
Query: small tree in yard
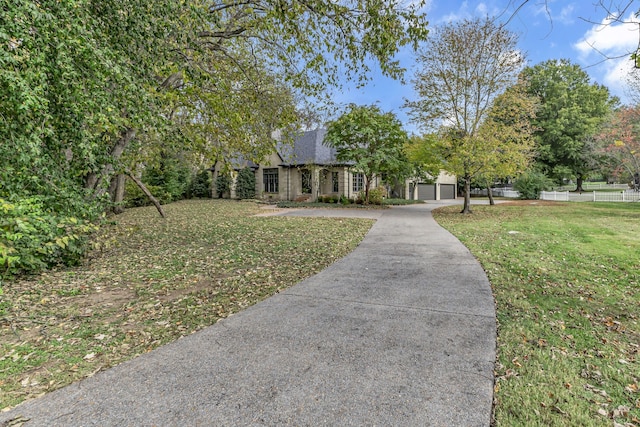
620 140
223 185
246 184
465 67
372 140
200 185
530 184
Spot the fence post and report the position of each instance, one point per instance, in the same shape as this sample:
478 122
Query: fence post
594 196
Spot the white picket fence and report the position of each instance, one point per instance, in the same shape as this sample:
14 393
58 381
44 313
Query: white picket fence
594 186
501 192
497 192
594 196
568 196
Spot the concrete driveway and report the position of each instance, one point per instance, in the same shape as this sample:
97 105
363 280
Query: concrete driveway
401 332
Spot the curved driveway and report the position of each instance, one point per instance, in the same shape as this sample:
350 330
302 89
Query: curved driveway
401 332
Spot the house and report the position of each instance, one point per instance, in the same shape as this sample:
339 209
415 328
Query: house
444 188
308 169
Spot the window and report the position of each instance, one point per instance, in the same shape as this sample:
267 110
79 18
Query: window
358 182
306 181
335 183
270 178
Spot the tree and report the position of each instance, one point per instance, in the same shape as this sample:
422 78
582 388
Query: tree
246 184
571 109
463 68
508 136
620 139
91 89
424 158
371 140
90 85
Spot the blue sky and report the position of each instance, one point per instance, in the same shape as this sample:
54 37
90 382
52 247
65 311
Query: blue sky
576 30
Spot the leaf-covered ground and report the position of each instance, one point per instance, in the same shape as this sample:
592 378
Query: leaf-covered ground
566 278
150 281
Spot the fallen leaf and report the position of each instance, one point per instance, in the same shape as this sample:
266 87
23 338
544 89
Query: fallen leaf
621 411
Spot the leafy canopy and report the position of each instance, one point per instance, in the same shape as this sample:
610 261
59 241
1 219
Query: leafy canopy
619 138
464 67
571 109
372 141
92 89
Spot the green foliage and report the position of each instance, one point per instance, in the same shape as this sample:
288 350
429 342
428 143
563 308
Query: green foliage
168 181
530 184
619 140
171 176
372 141
329 199
223 185
246 184
200 185
92 88
465 68
401 202
571 109
376 195
135 197
425 155
33 238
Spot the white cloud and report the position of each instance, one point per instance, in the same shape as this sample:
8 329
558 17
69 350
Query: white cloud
604 50
420 5
461 13
609 39
465 12
615 74
482 9
567 14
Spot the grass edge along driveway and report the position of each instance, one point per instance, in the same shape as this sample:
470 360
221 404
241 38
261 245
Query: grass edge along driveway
566 279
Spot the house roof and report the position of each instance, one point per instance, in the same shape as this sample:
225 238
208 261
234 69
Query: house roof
308 148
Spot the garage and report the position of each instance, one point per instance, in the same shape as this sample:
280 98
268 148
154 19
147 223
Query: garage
430 191
425 191
447 191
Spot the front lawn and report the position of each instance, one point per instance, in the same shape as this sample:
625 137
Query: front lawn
566 278
150 281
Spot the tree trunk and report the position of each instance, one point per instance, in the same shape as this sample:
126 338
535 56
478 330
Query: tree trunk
367 184
579 184
214 177
94 180
117 194
466 209
490 194
146 191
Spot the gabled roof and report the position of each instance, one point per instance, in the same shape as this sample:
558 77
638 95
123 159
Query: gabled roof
308 148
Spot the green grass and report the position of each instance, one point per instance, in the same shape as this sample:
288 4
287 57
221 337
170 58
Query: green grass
566 278
150 281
